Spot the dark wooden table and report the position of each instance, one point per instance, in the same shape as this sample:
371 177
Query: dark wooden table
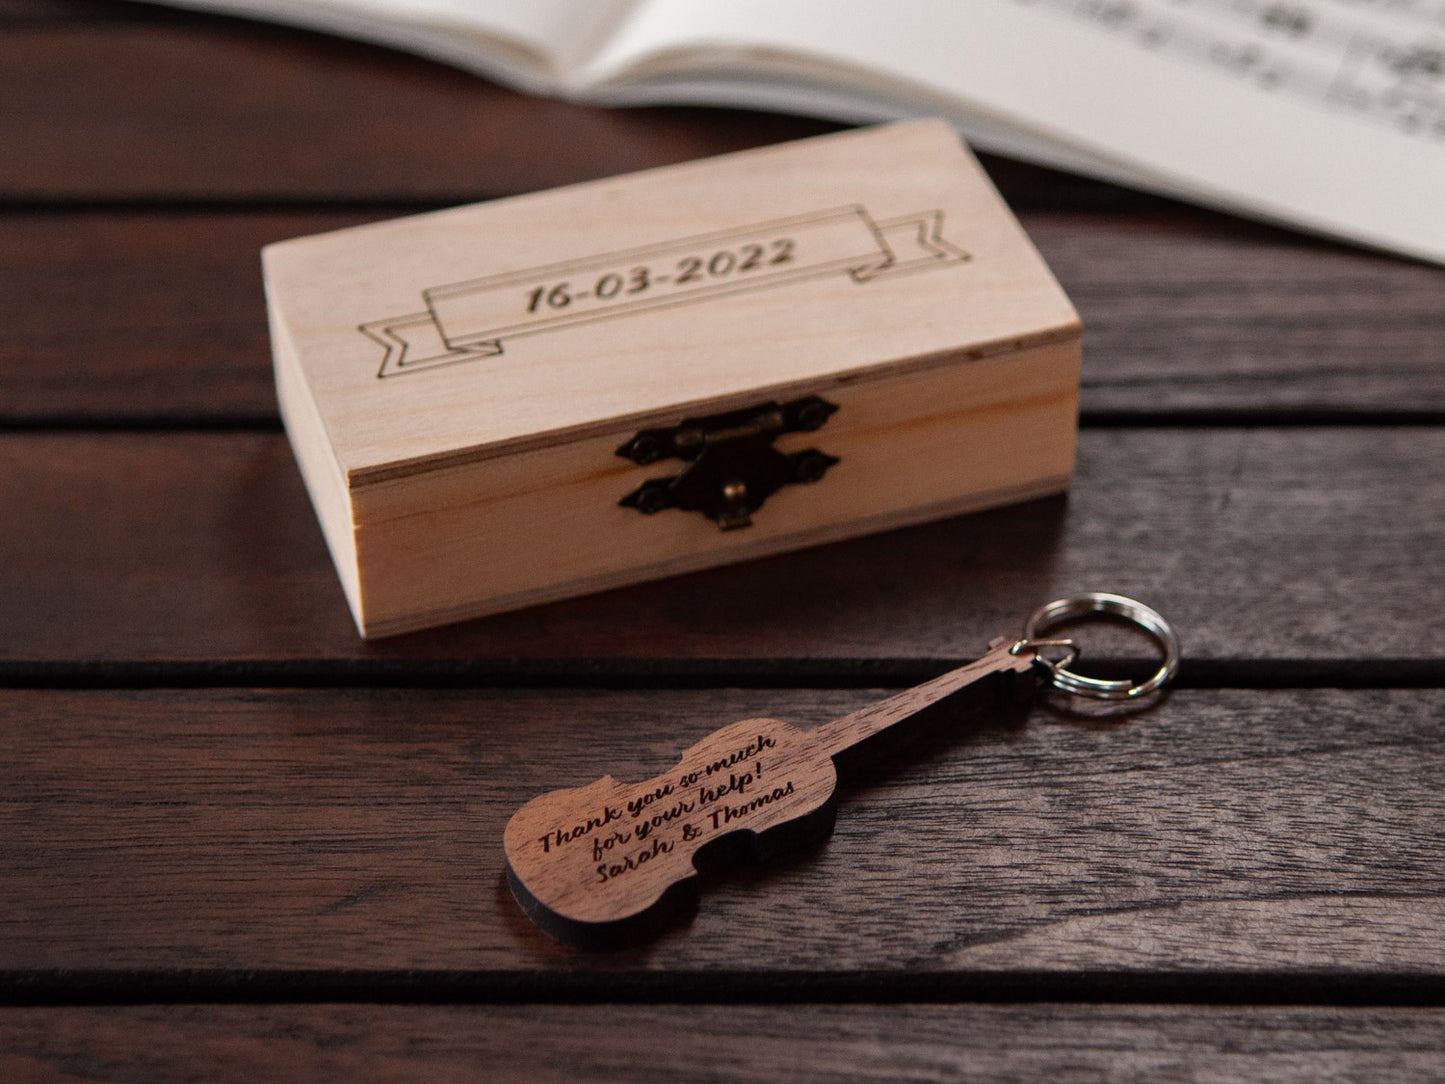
238 843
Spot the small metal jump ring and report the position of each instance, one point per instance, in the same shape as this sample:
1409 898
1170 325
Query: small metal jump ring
1051 613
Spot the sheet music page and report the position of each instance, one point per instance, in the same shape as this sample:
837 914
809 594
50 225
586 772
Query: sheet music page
1327 114
1380 61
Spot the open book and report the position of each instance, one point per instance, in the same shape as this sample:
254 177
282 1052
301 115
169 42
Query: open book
1328 115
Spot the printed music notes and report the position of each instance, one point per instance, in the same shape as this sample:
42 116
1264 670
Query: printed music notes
1382 61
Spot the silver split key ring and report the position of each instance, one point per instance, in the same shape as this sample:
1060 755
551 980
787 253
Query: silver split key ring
1075 606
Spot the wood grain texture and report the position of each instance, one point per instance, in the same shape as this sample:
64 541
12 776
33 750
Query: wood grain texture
1239 833
1180 312
1147 1043
1279 546
268 112
1189 312
141 316
328 84
71 13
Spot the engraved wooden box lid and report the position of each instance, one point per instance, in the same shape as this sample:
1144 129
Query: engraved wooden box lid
488 403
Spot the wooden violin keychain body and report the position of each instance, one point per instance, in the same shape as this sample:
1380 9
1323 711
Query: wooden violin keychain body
606 863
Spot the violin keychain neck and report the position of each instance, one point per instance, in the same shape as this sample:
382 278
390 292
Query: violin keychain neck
608 862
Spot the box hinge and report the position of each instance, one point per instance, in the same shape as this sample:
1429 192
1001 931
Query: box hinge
732 464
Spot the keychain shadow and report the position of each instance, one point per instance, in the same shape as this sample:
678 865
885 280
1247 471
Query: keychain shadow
936 733
936 737
939 733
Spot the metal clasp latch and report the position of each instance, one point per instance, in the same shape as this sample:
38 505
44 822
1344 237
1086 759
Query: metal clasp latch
733 467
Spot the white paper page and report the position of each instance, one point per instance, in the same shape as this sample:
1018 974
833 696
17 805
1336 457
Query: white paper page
1329 114
823 95
533 44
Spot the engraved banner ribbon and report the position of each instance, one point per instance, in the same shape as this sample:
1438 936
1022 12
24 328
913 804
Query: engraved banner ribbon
468 320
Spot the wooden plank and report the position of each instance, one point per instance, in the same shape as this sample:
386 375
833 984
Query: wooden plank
1201 313
269 112
1155 1043
1293 548
343 96
50 12
270 109
140 316
1235 832
145 317
407 128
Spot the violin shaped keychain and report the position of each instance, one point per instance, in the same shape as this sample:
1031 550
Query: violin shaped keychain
608 862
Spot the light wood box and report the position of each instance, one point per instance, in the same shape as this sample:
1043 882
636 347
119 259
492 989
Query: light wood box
457 385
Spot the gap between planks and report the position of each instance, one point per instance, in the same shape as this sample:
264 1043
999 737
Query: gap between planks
247 986
142 421
611 673
532 1043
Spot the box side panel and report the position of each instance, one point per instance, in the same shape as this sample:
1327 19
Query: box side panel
320 471
545 524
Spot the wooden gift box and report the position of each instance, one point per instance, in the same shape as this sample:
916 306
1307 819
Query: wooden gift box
517 401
